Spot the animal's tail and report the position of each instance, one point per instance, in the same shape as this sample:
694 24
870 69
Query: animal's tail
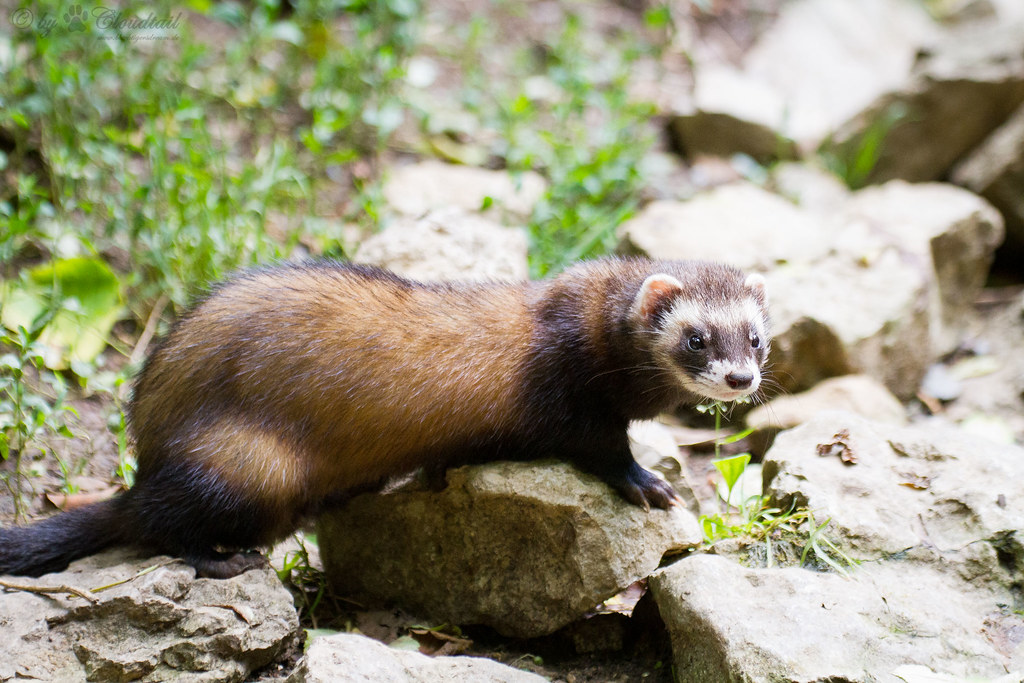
49 545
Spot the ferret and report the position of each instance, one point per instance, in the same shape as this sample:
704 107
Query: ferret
292 387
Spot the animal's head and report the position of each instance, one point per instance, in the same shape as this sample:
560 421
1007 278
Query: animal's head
710 325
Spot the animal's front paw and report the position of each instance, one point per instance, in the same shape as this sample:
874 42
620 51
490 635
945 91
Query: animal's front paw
645 489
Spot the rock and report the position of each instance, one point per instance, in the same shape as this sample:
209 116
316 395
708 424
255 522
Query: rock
818 65
857 394
652 443
878 281
415 189
938 493
941 384
160 626
733 113
448 244
1009 11
960 11
348 657
949 233
524 548
844 317
739 224
931 513
960 90
727 623
654 447
995 170
992 383
809 187
666 176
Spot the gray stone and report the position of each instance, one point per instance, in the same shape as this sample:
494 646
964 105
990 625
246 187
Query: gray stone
732 113
859 394
731 623
809 187
946 233
418 188
739 224
1009 11
654 447
961 89
940 383
524 548
906 263
162 625
941 493
933 516
814 68
448 244
352 658
844 316
995 170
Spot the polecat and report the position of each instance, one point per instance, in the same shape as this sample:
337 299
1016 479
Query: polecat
288 387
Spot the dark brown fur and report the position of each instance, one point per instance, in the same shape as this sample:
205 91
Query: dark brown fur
289 387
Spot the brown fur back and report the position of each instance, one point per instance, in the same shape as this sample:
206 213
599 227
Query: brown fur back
346 376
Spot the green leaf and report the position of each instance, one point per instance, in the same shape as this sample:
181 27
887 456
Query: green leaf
732 468
89 304
658 17
314 633
738 436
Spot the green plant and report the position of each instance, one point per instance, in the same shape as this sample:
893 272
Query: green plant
731 470
353 100
307 584
175 157
20 208
117 424
855 160
575 122
78 301
29 414
768 528
825 551
68 470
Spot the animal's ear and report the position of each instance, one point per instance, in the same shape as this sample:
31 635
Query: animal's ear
755 283
656 295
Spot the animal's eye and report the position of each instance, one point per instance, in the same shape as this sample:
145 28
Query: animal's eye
695 342
755 342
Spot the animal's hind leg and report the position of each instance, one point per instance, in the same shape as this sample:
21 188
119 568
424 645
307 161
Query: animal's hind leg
227 487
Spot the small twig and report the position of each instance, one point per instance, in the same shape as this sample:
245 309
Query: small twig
86 594
142 572
42 590
149 330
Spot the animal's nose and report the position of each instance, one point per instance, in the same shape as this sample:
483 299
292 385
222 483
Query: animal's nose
739 380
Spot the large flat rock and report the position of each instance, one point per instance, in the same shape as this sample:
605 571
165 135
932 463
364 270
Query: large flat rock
524 548
731 623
